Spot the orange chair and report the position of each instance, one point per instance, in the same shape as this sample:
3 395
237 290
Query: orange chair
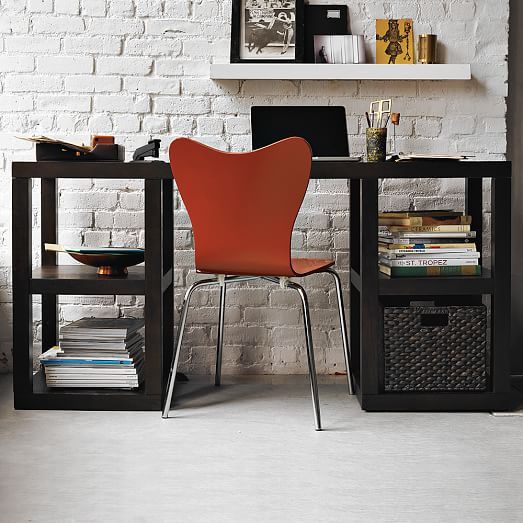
243 207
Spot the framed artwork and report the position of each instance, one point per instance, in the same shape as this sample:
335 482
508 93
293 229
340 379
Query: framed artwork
394 41
267 31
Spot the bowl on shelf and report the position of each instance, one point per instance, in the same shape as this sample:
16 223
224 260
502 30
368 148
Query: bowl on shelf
109 264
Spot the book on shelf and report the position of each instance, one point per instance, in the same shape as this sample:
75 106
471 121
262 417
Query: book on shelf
431 256
419 272
417 214
97 353
422 237
427 243
423 228
415 221
425 248
429 262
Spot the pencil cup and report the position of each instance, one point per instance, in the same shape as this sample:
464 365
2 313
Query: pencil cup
376 144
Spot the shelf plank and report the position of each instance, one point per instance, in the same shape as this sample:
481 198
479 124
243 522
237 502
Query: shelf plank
43 397
438 286
250 71
80 279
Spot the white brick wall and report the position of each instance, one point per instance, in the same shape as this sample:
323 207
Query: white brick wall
139 68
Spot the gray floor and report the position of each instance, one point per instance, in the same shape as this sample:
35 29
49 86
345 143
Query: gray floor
248 453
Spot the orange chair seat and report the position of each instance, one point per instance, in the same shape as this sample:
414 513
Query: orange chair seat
305 266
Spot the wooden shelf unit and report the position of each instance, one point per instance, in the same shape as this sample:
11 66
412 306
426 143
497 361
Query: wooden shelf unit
370 290
154 281
263 71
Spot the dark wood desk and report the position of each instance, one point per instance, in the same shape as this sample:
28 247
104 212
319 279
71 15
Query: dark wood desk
369 289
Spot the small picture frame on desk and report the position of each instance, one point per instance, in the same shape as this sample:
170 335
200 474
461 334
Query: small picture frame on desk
267 31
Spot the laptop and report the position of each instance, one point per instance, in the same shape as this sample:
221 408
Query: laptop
324 127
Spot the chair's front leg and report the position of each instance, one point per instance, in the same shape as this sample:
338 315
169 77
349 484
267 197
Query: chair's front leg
343 323
219 346
177 350
310 352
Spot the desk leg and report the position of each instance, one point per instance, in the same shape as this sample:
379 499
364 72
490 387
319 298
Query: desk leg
48 218
168 265
354 265
369 303
501 252
22 299
154 314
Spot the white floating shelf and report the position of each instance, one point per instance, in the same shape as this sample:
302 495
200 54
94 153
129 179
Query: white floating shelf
249 71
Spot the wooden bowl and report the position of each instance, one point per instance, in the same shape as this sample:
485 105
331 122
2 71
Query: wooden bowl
109 264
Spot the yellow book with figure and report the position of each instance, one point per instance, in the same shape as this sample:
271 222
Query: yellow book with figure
394 41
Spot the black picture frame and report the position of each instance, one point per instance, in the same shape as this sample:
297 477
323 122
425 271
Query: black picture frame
238 8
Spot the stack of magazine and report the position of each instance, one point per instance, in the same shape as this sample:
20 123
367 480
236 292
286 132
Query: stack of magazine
97 353
427 243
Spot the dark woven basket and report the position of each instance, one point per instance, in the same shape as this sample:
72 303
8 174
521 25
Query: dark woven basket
435 349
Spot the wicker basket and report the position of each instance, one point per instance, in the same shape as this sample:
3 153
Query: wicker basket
435 348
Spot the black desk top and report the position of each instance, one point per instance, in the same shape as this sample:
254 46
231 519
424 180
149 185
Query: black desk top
158 170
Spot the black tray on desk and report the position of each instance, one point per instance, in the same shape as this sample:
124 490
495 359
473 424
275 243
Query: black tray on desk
60 153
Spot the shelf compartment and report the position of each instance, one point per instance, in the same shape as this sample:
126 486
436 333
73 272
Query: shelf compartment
79 279
250 71
438 286
434 402
85 399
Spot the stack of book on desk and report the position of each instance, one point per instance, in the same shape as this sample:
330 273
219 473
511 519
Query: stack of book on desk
427 243
97 353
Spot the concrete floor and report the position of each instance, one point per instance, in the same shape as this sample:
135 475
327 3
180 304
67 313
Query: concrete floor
248 453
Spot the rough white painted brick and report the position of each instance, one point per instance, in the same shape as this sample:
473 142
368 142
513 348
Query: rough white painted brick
155 124
32 44
32 83
121 103
101 123
115 26
151 85
176 8
124 65
93 8
169 105
94 45
16 63
495 125
166 67
88 200
97 238
67 7
153 47
238 125
126 124
149 8
121 8
172 28
64 64
182 126
40 6
57 24
63 103
91 84
208 125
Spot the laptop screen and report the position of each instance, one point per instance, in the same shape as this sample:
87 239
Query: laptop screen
324 127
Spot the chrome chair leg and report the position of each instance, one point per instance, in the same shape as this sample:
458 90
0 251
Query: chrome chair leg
343 323
177 350
310 352
219 346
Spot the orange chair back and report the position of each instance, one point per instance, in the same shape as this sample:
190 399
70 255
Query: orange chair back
242 205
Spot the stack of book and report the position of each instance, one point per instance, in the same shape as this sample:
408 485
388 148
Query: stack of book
427 243
97 353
